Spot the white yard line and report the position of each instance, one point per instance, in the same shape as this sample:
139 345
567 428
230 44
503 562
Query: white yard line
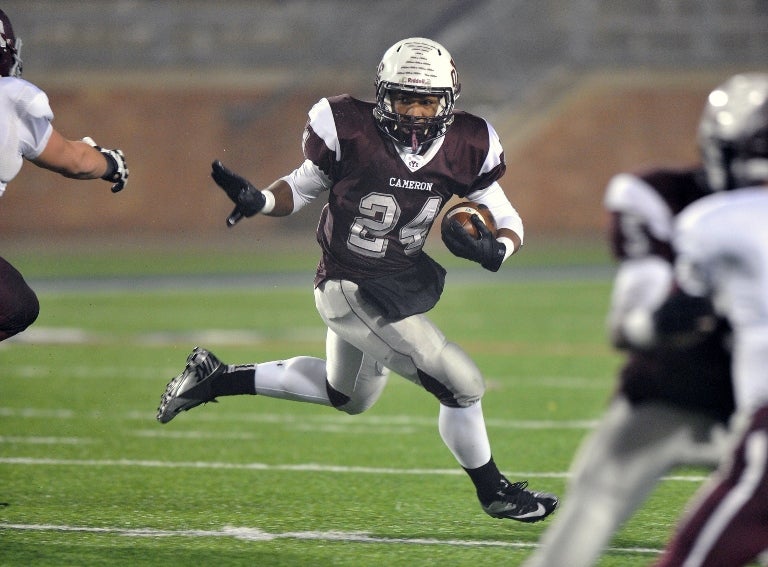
32 440
256 534
303 467
330 420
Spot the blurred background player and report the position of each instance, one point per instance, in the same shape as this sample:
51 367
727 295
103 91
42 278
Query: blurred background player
673 399
722 244
26 132
388 167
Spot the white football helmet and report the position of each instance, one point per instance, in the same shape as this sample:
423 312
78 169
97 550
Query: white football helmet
733 133
420 66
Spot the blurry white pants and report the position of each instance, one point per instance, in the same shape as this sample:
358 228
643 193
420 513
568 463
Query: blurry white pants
615 470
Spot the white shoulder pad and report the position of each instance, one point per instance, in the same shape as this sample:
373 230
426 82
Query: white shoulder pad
40 107
30 99
322 123
629 194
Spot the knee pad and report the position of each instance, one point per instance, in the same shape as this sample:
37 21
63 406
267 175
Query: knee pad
369 383
457 381
344 403
337 398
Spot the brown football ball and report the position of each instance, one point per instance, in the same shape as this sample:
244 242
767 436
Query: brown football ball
463 212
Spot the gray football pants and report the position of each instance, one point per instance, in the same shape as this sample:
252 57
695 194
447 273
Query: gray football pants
615 470
359 338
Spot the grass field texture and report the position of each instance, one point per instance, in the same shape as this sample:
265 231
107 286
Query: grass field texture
88 477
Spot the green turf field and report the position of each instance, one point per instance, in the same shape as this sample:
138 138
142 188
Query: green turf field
88 477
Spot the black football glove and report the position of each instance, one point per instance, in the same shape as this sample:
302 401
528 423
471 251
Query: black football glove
247 199
117 171
485 250
684 319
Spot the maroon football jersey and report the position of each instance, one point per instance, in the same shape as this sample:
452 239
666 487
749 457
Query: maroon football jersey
677 188
698 377
379 209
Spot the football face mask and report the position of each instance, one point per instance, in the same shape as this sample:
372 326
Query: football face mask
415 129
415 67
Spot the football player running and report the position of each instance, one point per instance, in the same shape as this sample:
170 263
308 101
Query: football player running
673 399
388 168
26 132
722 243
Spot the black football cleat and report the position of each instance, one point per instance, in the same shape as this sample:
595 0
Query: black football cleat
516 502
192 387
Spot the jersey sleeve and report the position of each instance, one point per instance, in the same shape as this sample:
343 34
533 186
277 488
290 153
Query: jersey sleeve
25 127
307 182
321 140
503 211
695 247
321 148
640 220
35 117
494 166
640 235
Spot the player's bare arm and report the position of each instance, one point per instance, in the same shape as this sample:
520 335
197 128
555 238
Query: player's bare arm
283 197
83 159
71 158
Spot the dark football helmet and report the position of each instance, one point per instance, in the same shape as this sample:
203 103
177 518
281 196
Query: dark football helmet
10 49
733 133
423 67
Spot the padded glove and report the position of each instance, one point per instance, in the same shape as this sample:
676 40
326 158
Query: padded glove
485 250
685 319
247 199
117 171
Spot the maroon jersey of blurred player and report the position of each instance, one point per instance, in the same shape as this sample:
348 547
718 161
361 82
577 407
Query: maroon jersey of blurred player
381 205
699 377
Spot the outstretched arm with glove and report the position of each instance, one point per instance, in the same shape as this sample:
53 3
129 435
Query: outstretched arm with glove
280 199
83 159
276 200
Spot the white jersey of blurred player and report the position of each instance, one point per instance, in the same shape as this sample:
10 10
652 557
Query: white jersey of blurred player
723 244
723 255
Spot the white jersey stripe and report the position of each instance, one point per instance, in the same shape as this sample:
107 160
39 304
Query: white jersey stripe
756 454
322 122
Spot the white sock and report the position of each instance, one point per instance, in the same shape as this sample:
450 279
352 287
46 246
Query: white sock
301 379
463 431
